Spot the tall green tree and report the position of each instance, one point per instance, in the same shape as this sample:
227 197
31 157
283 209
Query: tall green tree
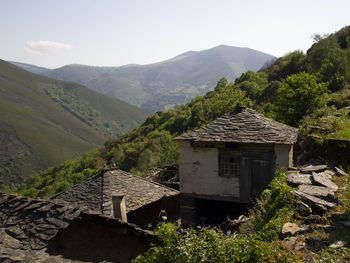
300 95
253 83
329 59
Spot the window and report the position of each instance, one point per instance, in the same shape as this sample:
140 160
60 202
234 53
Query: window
228 165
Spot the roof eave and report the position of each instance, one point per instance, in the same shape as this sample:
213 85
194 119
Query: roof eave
238 141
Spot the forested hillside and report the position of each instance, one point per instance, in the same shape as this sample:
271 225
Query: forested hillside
298 89
44 122
168 83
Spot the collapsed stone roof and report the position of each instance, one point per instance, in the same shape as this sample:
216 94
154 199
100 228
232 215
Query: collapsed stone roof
30 223
96 192
27 225
244 125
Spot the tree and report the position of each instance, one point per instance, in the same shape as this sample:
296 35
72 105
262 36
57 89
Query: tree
291 63
253 83
329 59
299 95
222 83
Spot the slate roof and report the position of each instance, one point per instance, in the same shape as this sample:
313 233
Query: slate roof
27 225
244 125
96 192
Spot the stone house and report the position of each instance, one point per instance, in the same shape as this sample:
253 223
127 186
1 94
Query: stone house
99 219
233 158
116 193
36 230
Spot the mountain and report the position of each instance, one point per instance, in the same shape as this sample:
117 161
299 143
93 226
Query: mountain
44 122
81 74
165 84
30 68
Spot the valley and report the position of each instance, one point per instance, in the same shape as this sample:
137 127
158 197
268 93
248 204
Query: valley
163 85
45 122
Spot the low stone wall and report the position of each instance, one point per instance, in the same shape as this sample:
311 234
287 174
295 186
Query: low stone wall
334 151
93 239
150 213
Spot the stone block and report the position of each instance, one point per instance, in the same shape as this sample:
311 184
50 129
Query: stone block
313 168
319 191
323 180
296 179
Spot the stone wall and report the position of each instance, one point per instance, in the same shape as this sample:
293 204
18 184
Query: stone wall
199 172
284 156
150 213
87 239
336 152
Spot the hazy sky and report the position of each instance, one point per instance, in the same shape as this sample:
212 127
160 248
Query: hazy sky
52 33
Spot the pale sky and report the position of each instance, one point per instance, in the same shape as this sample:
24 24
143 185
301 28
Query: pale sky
53 33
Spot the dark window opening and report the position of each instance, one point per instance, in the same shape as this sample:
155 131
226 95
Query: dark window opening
213 213
231 145
228 165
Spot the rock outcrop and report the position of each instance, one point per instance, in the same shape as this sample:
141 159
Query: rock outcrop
315 186
316 193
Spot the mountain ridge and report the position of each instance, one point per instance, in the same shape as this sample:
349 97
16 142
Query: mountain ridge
164 84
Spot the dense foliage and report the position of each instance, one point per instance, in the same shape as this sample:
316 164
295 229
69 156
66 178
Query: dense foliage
294 89
299 96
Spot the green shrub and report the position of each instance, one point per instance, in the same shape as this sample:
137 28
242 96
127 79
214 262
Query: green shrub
207 245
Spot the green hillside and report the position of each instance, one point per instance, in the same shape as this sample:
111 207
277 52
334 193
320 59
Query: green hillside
294 90
172 82
44 122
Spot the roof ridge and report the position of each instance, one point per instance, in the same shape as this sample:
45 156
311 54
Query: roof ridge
101 172
156 183
244 125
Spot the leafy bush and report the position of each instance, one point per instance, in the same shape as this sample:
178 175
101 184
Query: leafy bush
206 245
274 208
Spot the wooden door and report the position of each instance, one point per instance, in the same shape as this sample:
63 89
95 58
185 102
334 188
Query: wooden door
261 175
255 174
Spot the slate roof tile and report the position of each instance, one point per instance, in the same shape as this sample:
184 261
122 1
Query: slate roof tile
96 192
27 225
244 125
31 221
